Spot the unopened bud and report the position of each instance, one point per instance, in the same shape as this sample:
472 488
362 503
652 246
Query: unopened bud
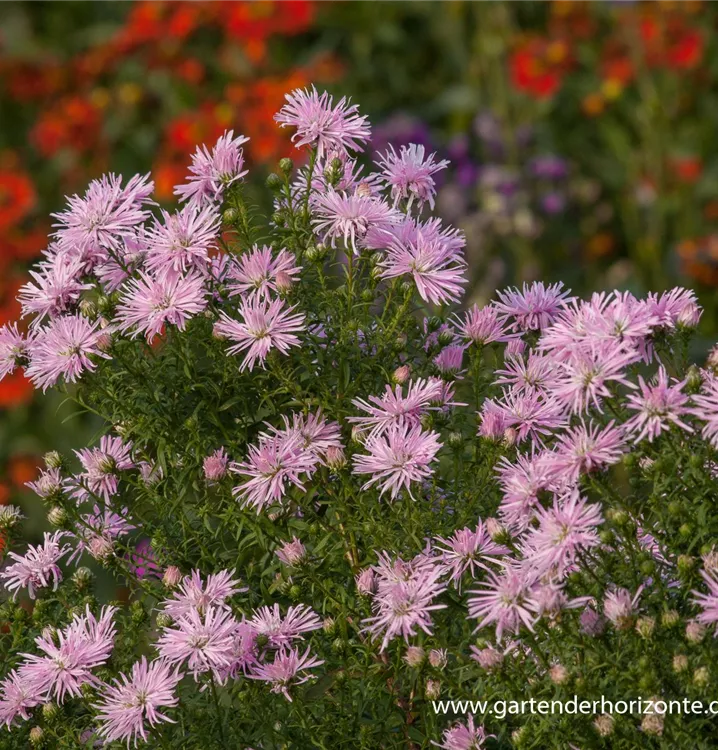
432 689
437 658
604 724
163 620
283 282
701 677
286 165
171 577
56 516
53 460
36 735
401 375
645 626
559 674
335 458
82 577
414 656
680 663
274 181
670 618
695 632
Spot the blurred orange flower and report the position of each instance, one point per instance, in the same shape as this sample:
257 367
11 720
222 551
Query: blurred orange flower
17 197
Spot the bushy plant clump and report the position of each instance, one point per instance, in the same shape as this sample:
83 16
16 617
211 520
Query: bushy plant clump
331 497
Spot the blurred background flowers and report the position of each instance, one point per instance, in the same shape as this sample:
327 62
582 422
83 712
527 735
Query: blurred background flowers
580 134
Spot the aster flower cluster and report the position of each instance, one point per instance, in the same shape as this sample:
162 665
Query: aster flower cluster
327 495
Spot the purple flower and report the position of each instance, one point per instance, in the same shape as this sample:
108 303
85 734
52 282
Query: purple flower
349 217
506 600
17 697
397 457
194 594
215 465
707 602
465 549
404 599
549 167
265 326
291 553
101 466
668 308
211 173
281 631
464 737
332 130
481 325
553 203
286 670
393 408
64 349
534 307
619 606
317 435
521 484
125 706
181 241
582 449
70 655
142 561
13 349
98 223
536 373
149 303
205 641
707 409
257 273
56 289
38 567
531 415
409 174
450 359
99 531
658 406
270 467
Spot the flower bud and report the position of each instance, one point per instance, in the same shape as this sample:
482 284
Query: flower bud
604 725
274 181
690 315
53 460
338 645
335 458
163 620
487 658
56 516
680 663
446 337
670 618
229 216
432 690
292 553
365 581
414 656
10 516
685 563
401 375
295 592
645 626
695 632
652 724
286 165
36 735
101 548
329 625
358 435
171 577
88 308
694 378
82 578
437 658
701 677
283 282
559 674
455 440
49 711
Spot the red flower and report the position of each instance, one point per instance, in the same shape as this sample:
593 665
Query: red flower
17 197
688 169
537 67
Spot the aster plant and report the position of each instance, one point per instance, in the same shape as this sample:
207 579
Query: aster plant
328 497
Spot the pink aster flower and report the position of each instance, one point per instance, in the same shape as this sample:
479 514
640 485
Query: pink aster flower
48 484
264 326
467 550
258 273
17 698
56 288
436 267
270 466
107 213
149 303
482 325
506 599
194 594
317 434
331 129
534 307
349 218
670 306
393 408
101 466
619 606
287 669
586 375
38 567
564 530
64 348
707 602
397 457
215 465
531 415
583 449
450 359
464 737
70 655
98 532
124 707
212 172
707 409
291 553
404 600
281 631
13 349
521 483
409 174
659 405
205 641
181 241
114 270
536 372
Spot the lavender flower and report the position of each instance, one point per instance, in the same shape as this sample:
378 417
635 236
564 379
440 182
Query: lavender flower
286 670
534 307
658 406
101 466
258 273
194 594
38 567
215 465
408 174
13 349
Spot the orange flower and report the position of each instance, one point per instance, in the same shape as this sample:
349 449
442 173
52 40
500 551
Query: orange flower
74 122
15 389
687 169
23 469
17 197
537 67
